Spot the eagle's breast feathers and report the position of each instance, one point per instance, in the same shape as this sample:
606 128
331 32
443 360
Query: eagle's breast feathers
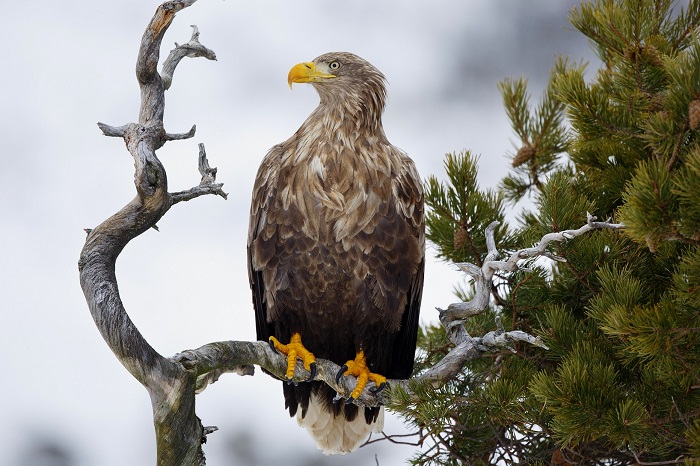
364 206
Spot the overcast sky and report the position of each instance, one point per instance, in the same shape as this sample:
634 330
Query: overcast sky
67 65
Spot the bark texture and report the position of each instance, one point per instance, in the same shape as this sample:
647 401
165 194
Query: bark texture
171 385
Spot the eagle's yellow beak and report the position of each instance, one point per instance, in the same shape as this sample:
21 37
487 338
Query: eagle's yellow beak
308 73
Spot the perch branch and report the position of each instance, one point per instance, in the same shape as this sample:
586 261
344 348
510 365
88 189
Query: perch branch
240 356
214 359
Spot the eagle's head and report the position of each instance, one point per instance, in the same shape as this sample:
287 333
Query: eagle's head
344 80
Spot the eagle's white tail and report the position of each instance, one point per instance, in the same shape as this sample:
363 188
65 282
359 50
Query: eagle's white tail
335 435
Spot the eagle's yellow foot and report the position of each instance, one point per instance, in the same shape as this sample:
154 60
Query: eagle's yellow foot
358 368
295 350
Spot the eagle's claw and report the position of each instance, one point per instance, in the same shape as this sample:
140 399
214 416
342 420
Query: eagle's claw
312 372
378 389
358 368
293 350
340 373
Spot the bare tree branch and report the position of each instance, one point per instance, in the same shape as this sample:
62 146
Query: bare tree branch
170 384
107 130
482 275
208 184
180 136
191 49
452 318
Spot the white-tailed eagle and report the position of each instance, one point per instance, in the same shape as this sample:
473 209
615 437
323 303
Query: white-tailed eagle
336 248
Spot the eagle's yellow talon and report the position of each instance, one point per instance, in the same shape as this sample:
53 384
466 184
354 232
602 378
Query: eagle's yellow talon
295 349
358 368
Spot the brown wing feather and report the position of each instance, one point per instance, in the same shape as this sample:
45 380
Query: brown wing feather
409 198
264 193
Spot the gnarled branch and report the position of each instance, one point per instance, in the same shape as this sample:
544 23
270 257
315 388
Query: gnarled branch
191 49
170 384
208 184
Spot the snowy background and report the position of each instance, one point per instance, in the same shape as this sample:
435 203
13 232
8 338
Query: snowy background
65 399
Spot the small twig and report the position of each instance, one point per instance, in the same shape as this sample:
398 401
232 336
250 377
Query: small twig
181 136
680 459
392 438
206 186
191 49
112 131
208 173
491 241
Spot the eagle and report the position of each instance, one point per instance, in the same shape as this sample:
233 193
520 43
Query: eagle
336 250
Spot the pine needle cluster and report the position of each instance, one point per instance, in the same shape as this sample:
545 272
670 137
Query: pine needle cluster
620 382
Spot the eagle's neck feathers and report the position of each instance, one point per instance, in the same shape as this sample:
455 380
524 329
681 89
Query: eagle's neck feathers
341 169
353 107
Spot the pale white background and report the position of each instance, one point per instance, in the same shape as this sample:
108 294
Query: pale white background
65 399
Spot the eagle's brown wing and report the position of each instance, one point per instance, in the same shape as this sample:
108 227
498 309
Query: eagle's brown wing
264 192
409 199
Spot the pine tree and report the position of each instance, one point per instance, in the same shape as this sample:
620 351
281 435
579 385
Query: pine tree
620 380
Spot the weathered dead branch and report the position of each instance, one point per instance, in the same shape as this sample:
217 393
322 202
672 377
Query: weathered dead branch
170 385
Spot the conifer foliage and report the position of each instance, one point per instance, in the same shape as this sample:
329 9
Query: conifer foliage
620 381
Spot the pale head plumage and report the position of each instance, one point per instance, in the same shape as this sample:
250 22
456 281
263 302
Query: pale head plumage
347 83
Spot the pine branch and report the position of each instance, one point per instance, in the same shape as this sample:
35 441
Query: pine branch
468 347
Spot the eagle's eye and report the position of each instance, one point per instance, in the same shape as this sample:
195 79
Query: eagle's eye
334 65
